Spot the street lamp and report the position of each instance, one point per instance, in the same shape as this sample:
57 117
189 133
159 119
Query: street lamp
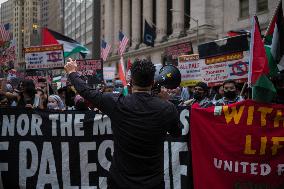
195 20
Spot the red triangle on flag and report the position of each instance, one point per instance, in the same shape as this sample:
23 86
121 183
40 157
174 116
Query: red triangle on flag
258 58
48 38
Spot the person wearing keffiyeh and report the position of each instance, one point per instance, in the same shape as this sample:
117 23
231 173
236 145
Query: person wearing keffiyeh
55 103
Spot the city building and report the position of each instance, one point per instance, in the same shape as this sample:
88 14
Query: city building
177 21
78 23
26 30
6 14
29 17
52 15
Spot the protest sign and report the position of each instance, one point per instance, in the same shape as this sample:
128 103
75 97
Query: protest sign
42 57
92 69
173 52
73 149
234 66
109 73
238 146
190 69
215 70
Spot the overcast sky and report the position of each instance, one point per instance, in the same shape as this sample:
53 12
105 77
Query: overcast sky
1 1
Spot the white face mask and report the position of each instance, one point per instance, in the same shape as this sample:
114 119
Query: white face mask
52 106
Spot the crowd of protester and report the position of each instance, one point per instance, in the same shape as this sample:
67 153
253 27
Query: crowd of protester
25 94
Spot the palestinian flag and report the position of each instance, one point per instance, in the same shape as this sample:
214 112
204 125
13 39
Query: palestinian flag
274 41
57 80
70 46
262 88
121 73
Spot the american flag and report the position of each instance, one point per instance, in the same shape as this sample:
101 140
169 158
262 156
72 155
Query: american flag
123 40
105 49
4 34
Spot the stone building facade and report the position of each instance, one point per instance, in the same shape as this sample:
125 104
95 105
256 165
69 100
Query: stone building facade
26 22
51 12
6 13
176 22
78 20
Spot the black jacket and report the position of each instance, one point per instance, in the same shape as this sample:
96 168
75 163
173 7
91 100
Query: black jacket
140 122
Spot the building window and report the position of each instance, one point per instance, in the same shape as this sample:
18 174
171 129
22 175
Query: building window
169 17
154 13
186 15
103 9
244 8
262 5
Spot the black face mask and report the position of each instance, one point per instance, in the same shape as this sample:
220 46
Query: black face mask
197 96
230 94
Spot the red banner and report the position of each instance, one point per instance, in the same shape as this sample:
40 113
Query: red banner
240 146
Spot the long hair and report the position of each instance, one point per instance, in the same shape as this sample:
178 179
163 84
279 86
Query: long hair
29 87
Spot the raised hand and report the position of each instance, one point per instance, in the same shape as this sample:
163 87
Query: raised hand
71 66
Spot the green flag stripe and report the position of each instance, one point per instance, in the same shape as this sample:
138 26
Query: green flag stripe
77 49
72 48
268 40
125 91
263 90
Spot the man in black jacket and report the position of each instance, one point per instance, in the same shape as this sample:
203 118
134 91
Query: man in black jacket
140 123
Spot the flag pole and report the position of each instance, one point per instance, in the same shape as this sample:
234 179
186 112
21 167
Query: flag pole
47 82
251 52
276 9
243 89
150 22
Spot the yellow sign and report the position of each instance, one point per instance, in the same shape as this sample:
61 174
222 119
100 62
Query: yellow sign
43 48
224 58
186 58
189 83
